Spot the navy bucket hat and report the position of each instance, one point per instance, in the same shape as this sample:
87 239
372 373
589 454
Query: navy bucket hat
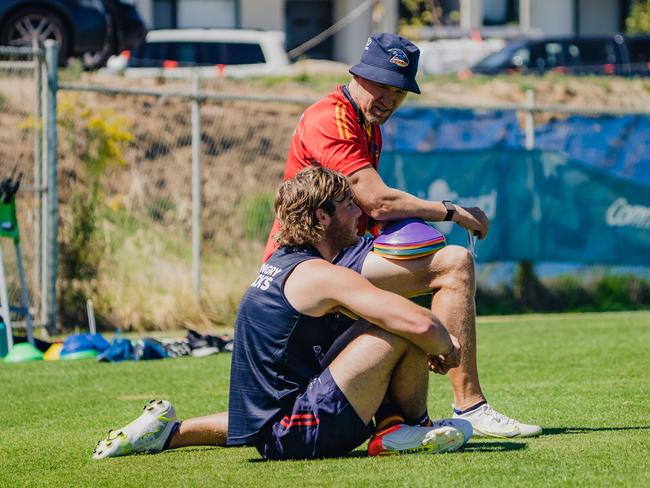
391 60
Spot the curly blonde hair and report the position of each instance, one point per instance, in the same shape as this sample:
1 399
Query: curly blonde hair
298 199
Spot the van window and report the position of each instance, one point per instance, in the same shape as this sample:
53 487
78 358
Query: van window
545 56
242 53
196 53
590 53
230 53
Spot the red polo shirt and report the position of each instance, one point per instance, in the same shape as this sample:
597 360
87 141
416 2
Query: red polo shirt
331 133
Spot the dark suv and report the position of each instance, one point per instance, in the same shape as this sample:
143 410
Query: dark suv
91 29
125 32
603 55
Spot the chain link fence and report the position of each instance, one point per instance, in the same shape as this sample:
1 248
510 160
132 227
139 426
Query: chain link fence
164 196
134 153
21 155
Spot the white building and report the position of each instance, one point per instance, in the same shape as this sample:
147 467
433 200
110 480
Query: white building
301 20
551 17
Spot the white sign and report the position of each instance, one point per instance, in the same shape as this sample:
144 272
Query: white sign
620 214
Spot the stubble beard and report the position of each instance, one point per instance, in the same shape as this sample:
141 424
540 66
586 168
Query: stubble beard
340 236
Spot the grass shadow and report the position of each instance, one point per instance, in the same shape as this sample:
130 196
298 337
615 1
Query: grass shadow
497 446
587 430
472 447
354 454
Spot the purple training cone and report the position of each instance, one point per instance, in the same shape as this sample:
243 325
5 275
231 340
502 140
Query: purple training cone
408 232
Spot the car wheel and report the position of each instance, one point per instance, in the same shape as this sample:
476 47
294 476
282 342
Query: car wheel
95 60
31 23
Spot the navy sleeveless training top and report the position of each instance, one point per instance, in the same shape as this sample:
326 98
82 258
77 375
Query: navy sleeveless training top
276 350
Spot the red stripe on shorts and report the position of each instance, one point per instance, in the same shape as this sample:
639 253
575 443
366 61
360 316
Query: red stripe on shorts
305 419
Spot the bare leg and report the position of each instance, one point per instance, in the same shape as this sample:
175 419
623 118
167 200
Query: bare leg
450 274
391 363
211 430
376 363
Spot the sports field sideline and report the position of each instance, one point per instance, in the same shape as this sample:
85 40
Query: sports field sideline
584 377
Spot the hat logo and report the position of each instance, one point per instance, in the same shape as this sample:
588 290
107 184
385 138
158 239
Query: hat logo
368 42
399 57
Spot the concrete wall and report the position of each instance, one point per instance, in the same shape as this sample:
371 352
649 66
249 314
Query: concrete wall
145 8
552 17
206 14
557 16
599 16
350 41
266 15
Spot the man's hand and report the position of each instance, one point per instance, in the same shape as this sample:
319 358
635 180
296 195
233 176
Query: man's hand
473 219
442 363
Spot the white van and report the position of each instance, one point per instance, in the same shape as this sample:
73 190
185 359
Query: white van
216 52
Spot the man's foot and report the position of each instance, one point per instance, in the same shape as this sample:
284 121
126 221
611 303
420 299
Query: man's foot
444 436
490 423
147 433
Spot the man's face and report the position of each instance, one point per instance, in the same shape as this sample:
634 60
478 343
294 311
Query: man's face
378 102
342 230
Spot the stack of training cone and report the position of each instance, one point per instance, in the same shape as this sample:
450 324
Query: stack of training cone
408 239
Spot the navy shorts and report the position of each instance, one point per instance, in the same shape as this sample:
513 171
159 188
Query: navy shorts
321 423
353 256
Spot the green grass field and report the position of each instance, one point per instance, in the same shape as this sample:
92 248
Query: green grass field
584 378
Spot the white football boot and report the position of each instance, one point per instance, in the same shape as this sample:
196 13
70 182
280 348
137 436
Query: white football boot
443 436
147 433
487 422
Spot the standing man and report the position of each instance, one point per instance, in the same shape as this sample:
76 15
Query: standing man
342 132
294 393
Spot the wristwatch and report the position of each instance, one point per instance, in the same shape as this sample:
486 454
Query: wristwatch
451 210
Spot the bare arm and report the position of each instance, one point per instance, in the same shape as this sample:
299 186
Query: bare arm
382 202
317 287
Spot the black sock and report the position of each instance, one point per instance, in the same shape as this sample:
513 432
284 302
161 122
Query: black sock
387 415
175 428
473 407
424 420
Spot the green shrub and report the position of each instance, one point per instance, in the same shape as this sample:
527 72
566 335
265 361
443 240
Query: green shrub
565 293
638 22
98 139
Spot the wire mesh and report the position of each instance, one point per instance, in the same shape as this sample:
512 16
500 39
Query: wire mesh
20 137
125 188
133 154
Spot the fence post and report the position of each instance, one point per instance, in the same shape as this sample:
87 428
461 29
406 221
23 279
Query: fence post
37 57
196 187
43 318
52 59
530 120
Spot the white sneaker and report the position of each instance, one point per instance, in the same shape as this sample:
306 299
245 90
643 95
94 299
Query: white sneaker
147 433
490 423
444 436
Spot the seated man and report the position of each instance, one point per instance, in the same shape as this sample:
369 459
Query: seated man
295 392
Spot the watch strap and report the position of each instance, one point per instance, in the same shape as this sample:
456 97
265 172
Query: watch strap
451 210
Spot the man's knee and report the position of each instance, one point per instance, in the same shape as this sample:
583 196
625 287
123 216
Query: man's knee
454 268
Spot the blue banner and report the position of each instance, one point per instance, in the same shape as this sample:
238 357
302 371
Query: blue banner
542 206
619 145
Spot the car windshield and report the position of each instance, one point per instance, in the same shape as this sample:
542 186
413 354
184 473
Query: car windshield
195 53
